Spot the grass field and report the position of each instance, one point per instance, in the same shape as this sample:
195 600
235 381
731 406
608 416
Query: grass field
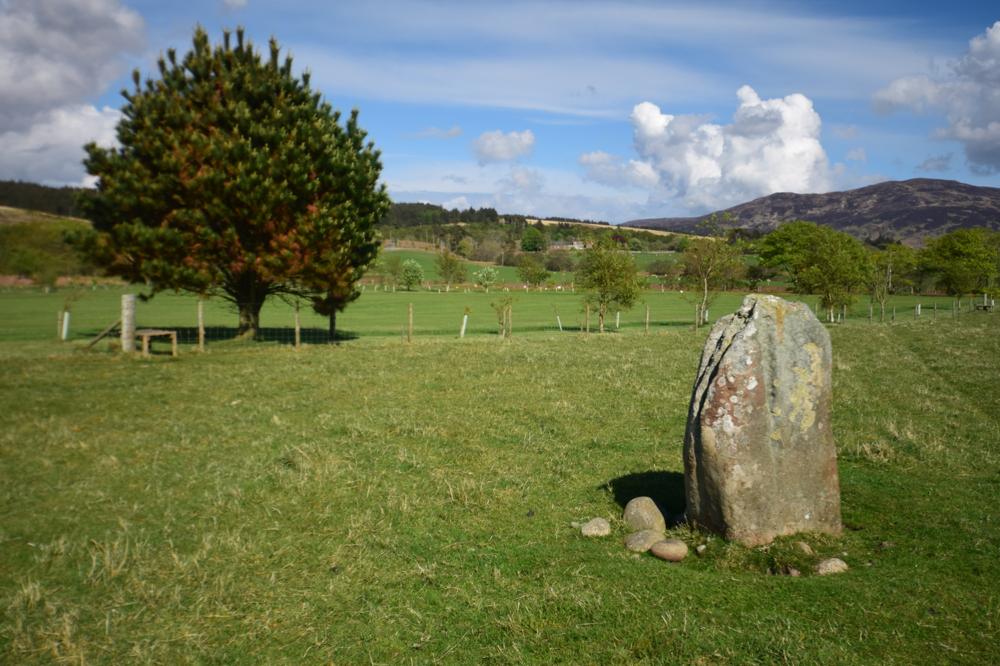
32 315
376 502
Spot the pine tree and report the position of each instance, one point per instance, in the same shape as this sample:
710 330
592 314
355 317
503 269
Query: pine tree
235 178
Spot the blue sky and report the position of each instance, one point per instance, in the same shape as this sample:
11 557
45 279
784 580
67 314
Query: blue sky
605 110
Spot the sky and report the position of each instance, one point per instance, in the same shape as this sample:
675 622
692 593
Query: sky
587 109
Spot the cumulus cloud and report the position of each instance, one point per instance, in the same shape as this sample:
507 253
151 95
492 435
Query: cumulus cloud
458 203
935 163
969 95
770 146
496 146
603 167
55 55
50 151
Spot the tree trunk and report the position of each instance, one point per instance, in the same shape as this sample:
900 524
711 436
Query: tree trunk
704 302
333 326
249 293
881 316
600 319
249 318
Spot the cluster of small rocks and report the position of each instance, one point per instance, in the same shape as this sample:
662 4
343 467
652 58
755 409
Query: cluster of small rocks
647 533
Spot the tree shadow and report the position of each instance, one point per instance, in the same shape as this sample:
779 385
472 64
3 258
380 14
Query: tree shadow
188 335
666 489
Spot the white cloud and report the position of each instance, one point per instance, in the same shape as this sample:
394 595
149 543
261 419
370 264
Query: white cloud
51 150
458 203
857 155
969 95
234 4
771 146
496 146
55 55
439 133
602 167
60 52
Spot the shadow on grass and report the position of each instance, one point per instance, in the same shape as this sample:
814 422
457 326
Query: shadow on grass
666 489
188 335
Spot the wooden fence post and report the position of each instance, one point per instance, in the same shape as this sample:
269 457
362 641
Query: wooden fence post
201 324
128 323
298 327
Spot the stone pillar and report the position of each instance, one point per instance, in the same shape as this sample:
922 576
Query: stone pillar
759 456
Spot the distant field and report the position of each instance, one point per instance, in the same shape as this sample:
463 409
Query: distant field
28 314
386 503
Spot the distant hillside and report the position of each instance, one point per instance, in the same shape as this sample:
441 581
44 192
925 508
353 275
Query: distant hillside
907 211
31 196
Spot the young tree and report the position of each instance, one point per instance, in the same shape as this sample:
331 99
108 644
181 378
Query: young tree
610 277
233 177
531 271
962 260
710 264
450 268
559 261
486 277
888 269
412 274
392 267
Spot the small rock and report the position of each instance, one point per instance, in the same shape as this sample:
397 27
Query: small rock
596 527
792 571
832 565
700 550
671 550
643 540
805 548
641 514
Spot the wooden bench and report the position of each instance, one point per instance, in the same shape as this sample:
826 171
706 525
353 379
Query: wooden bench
147 333
986 307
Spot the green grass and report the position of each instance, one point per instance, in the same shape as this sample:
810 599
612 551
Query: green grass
380 502
32 315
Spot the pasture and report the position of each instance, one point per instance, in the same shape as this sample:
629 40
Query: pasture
383 502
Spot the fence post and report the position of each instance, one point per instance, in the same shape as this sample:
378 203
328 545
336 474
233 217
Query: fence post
128 323
201 324
618 319
409 322
298 327
647 317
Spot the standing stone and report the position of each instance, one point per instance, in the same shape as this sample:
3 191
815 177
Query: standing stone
759 457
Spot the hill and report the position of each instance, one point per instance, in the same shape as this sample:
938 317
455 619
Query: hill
908 211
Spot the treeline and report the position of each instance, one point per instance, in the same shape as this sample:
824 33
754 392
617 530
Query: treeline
31 196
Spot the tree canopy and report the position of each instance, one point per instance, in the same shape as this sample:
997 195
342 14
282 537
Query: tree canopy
818 259
233 177
610 276
962 260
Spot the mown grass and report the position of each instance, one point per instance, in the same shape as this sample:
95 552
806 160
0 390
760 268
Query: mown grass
382 503
32 315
